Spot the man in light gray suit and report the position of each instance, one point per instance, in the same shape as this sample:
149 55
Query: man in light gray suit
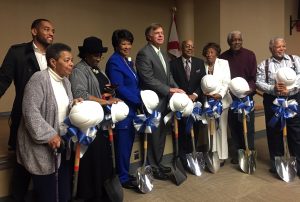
154 72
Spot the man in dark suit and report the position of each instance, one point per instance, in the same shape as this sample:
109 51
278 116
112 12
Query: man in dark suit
20 63
188 72
154 73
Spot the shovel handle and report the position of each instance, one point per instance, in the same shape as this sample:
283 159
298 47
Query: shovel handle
193 140
111 140
145 149
212 126
176 127
245 123
284 130
76 169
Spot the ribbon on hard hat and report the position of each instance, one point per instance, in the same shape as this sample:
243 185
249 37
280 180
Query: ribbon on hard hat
144 124
245 105
284 109
196 115
213 108
74 134
170 115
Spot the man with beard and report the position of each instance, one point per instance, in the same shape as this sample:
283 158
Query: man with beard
20 63
242 63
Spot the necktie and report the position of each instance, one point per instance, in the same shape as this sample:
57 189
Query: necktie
162 60
187 69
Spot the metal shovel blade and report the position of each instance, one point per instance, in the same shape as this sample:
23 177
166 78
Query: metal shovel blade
212 161
247 160
178 172
144 179
286 168
196 163
114 189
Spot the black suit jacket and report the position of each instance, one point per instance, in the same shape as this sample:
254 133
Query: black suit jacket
197 72
19 65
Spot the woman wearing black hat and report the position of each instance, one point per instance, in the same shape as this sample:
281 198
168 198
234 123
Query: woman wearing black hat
88 82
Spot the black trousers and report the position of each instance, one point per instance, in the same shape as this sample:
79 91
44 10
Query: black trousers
236 128
274 135
45 185
20 183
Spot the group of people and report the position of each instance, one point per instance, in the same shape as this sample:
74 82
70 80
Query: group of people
48 84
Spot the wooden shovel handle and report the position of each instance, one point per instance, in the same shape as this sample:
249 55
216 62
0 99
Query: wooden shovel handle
77 157
212 126
245 123
176 127
284 130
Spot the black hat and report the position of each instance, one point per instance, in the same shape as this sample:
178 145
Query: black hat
92 45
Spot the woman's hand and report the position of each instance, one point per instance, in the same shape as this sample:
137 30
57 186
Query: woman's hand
54 142
113 100
215 96
77 100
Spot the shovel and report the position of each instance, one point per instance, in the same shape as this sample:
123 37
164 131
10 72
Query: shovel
247 158
178 172
212 158
112 185
195 160
286 165
144 174
76 169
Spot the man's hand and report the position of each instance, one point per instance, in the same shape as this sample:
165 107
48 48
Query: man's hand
176 90
54 143
280 89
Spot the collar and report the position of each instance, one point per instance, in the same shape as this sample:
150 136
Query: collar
155 49
36 49
285 57
184 60
54 75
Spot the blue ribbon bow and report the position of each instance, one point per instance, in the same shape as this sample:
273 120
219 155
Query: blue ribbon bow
245 105
284 109
196 115
213 108
75 132
144 124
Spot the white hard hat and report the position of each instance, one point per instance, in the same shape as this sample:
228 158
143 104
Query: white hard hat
119 111
287 76
179 101
239 87
86 114
188 109
150 100
210 84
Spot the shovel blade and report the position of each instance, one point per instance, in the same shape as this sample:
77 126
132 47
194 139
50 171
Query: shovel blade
178 172
247 161
212 161
114 189
286 168
144 179
196 163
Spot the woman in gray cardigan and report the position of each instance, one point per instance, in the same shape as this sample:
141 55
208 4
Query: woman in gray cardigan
46 103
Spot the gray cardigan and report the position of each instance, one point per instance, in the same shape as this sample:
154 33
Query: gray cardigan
39 124
84 83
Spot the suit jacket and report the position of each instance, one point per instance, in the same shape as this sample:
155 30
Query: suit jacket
153 76
197 72
121 73
19 65
222 72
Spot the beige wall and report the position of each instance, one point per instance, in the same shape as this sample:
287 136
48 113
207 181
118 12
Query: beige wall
76 19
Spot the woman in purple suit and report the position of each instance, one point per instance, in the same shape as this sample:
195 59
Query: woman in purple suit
120 70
